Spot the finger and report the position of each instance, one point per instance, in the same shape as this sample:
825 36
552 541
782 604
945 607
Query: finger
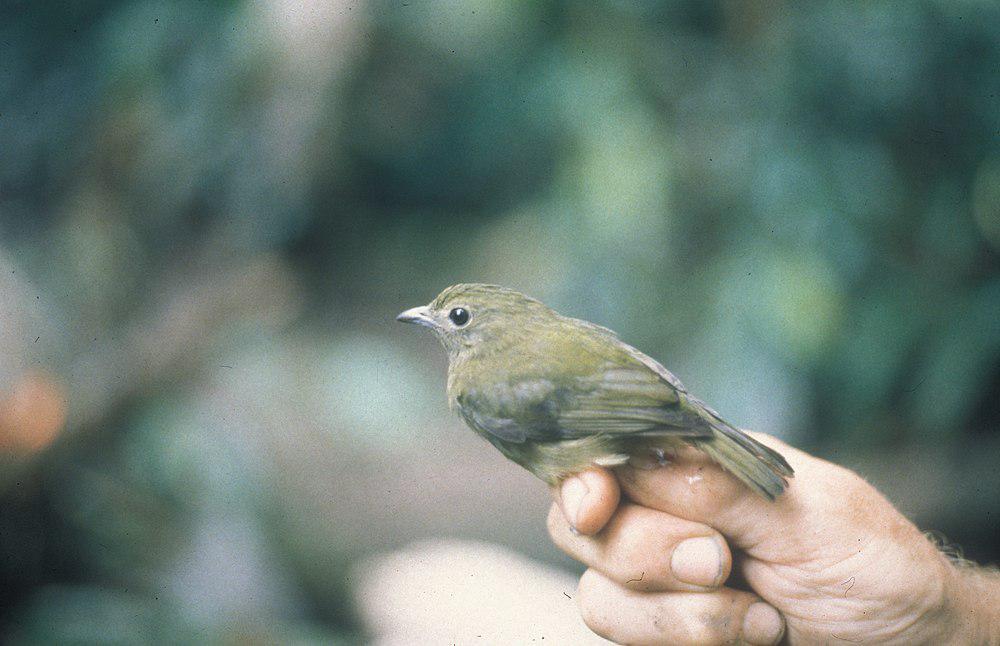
721 617
588 499
647 550
693 487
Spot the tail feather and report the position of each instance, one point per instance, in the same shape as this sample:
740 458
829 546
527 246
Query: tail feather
759 467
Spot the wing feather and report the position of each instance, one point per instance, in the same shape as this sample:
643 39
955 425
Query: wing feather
625 397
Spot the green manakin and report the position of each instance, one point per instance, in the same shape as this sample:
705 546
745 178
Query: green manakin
557 394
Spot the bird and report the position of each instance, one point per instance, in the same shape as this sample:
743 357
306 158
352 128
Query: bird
559 395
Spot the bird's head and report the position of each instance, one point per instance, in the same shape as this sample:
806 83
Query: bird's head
468 316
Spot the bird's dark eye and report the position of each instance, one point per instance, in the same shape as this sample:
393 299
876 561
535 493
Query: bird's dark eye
459 316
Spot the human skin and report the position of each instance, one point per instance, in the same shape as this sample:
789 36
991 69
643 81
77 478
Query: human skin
684 553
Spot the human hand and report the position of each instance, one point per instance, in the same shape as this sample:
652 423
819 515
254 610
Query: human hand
831 561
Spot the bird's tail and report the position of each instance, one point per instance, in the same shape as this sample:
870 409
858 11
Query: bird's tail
761 468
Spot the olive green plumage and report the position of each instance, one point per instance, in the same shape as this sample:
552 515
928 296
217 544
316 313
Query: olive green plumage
557 394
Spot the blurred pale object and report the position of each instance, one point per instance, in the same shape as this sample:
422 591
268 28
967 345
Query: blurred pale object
32 414
456 592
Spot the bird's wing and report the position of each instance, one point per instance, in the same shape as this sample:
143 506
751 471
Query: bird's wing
628 396
514 410
616 346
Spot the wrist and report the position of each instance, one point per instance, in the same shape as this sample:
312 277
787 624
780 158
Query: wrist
977 608
963 607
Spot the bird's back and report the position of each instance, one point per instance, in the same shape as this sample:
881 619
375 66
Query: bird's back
562 349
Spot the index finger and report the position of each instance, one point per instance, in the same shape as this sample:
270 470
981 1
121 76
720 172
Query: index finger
695 488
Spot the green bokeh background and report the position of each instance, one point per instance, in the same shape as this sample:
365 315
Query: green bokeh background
211 212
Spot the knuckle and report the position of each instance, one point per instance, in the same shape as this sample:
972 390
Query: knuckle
631 541
850 496
640 553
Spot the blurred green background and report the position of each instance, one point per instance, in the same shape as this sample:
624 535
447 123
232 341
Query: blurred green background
211 212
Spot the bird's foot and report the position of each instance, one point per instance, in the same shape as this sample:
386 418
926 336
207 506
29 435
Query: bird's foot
655 459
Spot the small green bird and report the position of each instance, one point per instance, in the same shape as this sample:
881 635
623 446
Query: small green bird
557 394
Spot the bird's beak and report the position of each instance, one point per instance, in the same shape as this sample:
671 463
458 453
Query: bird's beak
419 315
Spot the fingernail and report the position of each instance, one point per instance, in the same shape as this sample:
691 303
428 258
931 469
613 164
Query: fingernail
763 625
573 492
698 561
